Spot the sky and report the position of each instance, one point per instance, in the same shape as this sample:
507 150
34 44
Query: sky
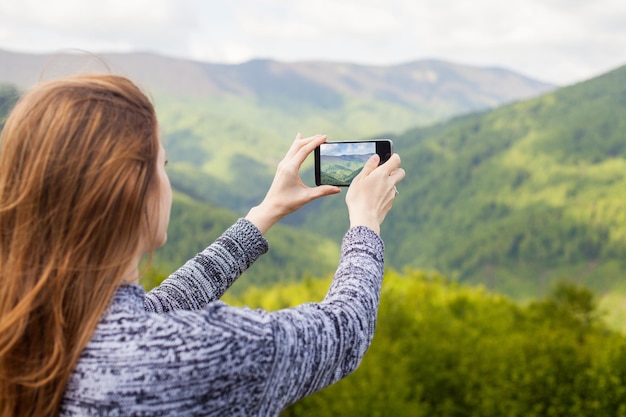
348 148
558 41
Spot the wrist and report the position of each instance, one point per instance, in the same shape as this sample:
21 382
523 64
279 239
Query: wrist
370 223
262 217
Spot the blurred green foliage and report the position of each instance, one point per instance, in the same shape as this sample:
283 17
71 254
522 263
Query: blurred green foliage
445 349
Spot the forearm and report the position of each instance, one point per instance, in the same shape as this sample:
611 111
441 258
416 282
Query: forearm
320 343
209 274
354 294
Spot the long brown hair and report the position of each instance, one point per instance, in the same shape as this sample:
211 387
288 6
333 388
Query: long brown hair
77 165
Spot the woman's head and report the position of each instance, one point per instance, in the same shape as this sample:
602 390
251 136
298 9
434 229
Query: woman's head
79 156
81 193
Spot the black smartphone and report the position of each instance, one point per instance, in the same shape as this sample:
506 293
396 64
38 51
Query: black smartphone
337 163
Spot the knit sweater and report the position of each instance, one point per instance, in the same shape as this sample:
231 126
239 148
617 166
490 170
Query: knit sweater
178 351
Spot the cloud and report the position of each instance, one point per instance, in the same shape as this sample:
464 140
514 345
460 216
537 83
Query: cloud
114 24
556 40
348 148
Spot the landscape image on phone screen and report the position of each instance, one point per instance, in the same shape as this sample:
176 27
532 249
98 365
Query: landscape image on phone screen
341 162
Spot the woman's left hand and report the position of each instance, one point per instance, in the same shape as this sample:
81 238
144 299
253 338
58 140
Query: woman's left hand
288 193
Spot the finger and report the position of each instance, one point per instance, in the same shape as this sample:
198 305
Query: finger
398 175
307 146
295 145
370 165
392 163
298 143
313 141
324 190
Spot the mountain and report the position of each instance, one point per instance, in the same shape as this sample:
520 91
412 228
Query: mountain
294 254
511 195
513 198
346 159
341 169
225 127
438 84
8 98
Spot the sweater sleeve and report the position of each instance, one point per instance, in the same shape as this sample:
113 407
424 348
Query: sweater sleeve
210 273
224 360
319 343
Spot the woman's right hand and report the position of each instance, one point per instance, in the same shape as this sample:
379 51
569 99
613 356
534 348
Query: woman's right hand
288 193
372 192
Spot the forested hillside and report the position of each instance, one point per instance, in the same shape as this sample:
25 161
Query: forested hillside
294 254
8 97
515 197
226 126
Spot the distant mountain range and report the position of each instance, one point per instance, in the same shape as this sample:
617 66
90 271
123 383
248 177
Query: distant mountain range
226 126
440 84
340 159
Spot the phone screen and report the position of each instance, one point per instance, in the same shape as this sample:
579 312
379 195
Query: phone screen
337 163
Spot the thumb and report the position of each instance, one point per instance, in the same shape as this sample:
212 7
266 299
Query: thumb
324 190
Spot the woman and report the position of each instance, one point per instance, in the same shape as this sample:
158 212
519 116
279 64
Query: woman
83 197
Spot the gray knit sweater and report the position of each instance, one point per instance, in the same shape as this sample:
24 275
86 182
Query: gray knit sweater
177 351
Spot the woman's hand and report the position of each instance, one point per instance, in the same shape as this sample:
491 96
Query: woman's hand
372 192
288 193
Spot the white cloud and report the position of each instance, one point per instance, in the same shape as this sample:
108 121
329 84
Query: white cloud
556 40
108 25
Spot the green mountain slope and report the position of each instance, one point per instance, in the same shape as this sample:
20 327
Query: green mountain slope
293 254
224 125
8 98
515 197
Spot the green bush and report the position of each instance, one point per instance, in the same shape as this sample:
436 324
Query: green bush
444 349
